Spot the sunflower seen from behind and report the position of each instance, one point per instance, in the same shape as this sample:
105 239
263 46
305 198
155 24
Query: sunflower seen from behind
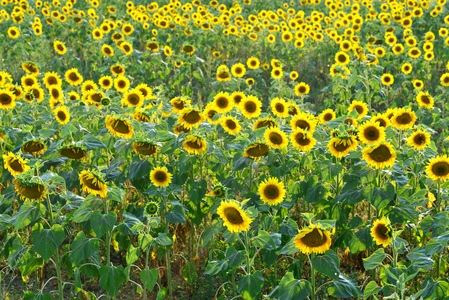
257 150
313 240
160 177
382 232
272 191
233 216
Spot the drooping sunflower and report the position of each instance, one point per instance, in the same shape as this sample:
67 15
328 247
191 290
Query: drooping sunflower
119 126
264 122
188 49
191 118
121 83
387 79
15 164
371 133
194 144
62 115
179 103
419 140
403 119
133 98
313 240
180 128
382 119
7 99
279 107
30 67
257 150
250 107
94 183
231 125
302 89
302 141
327 116
73 152
341 146
382 232
160 177
144 147
73 77
424 99
276 138
218 191
233 216
223 102
360 107
381 155
438 168
272 191
238 70
32 189
33 147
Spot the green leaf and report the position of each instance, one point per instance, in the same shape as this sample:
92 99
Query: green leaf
267 241
116 194
46 241
83 248
327 264
362 240
371 289
28 213
111 278
197 190
132 255
250 286
197 75
293 289
234 257
176 215
289 248
149 278
102 223
375 259
161 294
164 240
215 267
420 260
350 194
139 169
144 241
345 287
188 272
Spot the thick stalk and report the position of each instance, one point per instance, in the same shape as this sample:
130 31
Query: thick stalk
57 261
312 276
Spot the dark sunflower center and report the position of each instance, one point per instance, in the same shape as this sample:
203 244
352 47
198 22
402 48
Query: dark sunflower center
381 154
341 147
36 93
258 150
33 192
342 58
121 126
404 118
93 183
55 93
302 139
62 116
419 139
106 82
188 49
152 209
387 79
117 70
303 124
160 176
223 75
32 147
371 133
275 138
253 63
237 99
145 148
271 192
195 144
96 97
440 168
382 231
222 102
52 80
425 99
179 104
446 79
192 117
250 107
29 82
382 122
280 107
238 70
277 72
231 124
16 165
5 99
73 153
315 238
359 109
302 89
60 47
73 76
133 99
328 117
414 52
233 215
121 84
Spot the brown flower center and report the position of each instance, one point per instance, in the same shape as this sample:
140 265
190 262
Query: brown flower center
359 109
195 144
271 192
381 154
192 117
328 117
231 124
5 99
279 107
342 146
303 124
404 118
16 165
73 153
93 183
258 150
222 102
145 148
315 238
275 138
121 126
382 231
233 215
419 139
440 168
73 76
250 107
133 99
301 139
371 133
160 176
62 115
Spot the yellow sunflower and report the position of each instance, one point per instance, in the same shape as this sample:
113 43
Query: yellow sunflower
277 73
15 164
106 82
403 119
387 79
444 79
93 183
371 133
424 100
360 107
257 150
302 141
62 114
223 103
59 47
73 77
160 177
438 168
279 107
253 63
52 78
381 119
238 70
179 103
327 116
419 140
119 126
272 191
30 67
305 121
233 216
237 97
210 111
341 146
276 138
117 70
191 118
313 240
28 189
381 155
223 75
231 125
133 98
7 99
250 107
342 58
33 147
381 232
194 144
264 122
302 89
145 148
121 83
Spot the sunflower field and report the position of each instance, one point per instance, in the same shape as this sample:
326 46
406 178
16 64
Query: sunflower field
224 149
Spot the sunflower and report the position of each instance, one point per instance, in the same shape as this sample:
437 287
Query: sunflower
107 50
390 113
194 144
327 116
407 68
419 140
73 77
277 73
371 133
387 79
133 98
28 80
117 70
119 126
35 92
223 102
250 107
13 32
424 100
151 209
360 107
191 118
15 164
253 63
7 99
73 152
438 168
121 83
223 75
342 58
218 191
231 125
62 115
302 141
93 183
59 47
418 84
403 119
313 240
444 79
210 111
380 155
279 107
33 147
381 119
305 121
179 103
144 147
160 177
146 91
180 128
56 93
341 146
73 96
30 67
264 122
233 216
272 191
381 232
167 51
293 110
188 49
250 81
302 89
52 78
30 189
238 70
153 46
257 150
106 82
276 138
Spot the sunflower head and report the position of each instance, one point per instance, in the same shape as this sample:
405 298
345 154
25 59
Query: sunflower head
276 138
30 187
119 126
191 118
73 152
371 133
151 209
403 118
360 107
233 216
313 240
302 141
15 164
94 183
195 144
218 191
160 177
144 147
250 107
419 140
380 155
438 168
382 232
340 146
34 147
272 191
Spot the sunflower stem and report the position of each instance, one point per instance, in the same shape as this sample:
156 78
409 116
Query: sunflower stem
438 196
250 176
248 254
312 275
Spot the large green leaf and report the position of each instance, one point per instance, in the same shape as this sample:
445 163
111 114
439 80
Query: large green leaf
250 286
345 287
46 241
327 264
132 254
83 248
149 278
28 212
268 241
101 223
371 289
375 259
293 289
111 278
